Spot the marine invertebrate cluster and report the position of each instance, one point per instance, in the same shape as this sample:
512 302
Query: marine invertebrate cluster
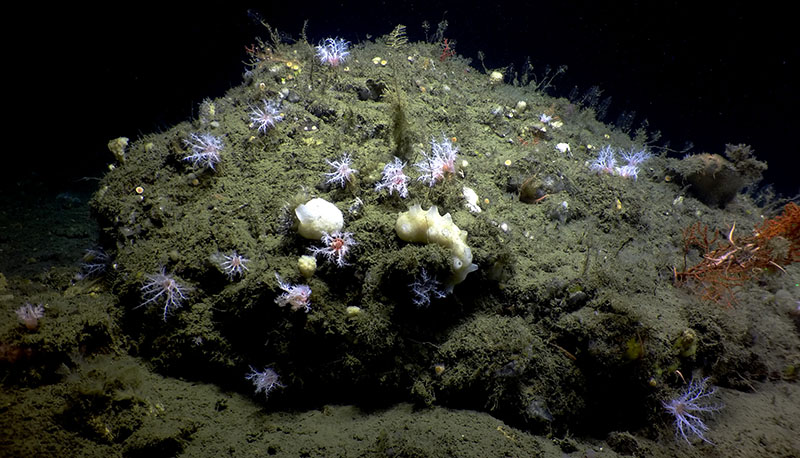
298 297
95 263
30 314
335 247
688 409
425 288
333 51
234 264
364 331
440 163
205 150
164 288
342 172
265 381
394 179
606 162
729 261
634 156
265 119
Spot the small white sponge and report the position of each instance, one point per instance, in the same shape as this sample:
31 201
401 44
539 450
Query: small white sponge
317 216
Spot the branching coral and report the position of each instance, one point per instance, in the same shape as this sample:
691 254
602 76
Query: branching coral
730 262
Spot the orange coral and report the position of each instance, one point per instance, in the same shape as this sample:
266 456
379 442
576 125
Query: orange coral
728 263
786 227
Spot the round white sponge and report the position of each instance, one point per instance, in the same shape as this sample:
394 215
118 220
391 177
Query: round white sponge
317 216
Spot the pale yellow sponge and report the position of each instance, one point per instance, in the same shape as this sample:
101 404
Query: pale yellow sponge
307 265
418 225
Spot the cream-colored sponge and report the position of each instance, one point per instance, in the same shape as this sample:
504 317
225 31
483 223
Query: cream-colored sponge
418 225
317 216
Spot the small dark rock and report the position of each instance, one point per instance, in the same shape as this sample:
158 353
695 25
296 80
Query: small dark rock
293 97
624 443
